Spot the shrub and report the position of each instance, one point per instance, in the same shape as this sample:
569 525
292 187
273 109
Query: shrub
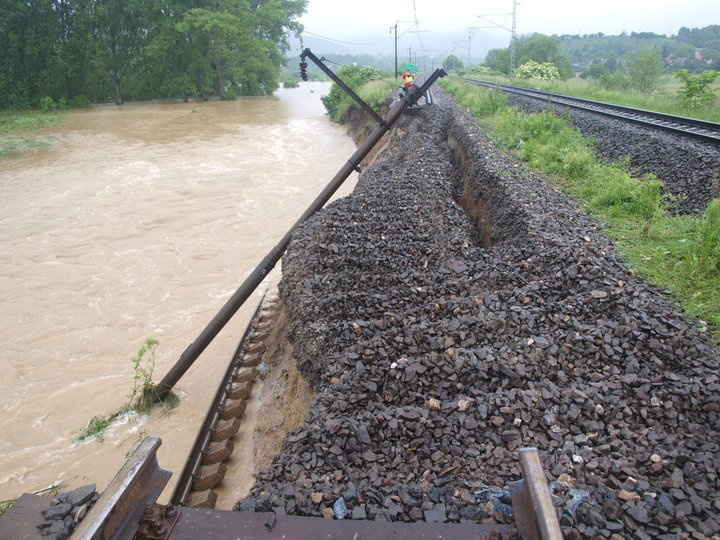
47 104
535 70
478 101
707 248
617 80
79 101
230 95
291 83
482 70
696 92
354 77
645 70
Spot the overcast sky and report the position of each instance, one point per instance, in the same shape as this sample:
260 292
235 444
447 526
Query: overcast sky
369 20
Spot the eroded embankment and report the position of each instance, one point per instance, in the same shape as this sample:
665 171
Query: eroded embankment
439 344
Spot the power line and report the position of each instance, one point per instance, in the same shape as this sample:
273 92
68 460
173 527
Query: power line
285 23
341 41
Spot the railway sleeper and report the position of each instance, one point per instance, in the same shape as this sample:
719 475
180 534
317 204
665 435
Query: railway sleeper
202 499
218 442
224 429
217 452
233 408
209 476
239 390
244 374
255 350
253 360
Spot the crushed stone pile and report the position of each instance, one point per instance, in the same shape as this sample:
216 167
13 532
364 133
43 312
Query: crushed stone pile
439 344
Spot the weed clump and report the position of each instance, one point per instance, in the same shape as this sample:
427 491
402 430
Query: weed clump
141 397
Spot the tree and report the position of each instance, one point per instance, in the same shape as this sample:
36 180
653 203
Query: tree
645 70
597 69
498 60
61 49
120 29
537 48
452 62
354 77
544 49
696 91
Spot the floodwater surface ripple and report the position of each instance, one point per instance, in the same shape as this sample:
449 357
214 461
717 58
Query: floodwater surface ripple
139 222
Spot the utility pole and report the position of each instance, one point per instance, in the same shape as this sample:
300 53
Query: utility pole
511 30
396 44
512 39
471 29
396 71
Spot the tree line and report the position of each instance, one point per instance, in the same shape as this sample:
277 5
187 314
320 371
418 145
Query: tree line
80 51
597 54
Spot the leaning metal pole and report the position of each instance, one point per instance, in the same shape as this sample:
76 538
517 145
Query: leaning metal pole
268 263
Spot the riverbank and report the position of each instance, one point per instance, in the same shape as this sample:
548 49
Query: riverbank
455 307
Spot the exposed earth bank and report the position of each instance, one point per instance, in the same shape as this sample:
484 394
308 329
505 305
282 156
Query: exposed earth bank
456 307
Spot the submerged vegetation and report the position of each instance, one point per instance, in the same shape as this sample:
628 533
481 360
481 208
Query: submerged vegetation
680 254
17 127
140 398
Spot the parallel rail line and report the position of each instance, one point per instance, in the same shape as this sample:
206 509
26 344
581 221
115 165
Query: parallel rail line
698 129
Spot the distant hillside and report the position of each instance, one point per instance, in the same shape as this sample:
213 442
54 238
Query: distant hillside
695 49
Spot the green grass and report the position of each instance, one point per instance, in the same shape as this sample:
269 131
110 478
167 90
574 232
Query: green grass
374 93
97 425
680 254
17 127
665 100
5 506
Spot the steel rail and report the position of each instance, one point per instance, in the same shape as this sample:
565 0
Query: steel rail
194 459
699 129
188 357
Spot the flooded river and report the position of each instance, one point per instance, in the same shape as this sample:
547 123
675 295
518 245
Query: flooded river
139 222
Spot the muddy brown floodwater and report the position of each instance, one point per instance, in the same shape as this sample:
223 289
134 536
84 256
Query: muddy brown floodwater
139 222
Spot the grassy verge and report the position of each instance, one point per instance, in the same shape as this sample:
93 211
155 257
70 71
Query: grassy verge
17 127
374 93
664 100
680 254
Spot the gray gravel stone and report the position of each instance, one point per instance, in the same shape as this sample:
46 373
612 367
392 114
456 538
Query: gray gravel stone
380 306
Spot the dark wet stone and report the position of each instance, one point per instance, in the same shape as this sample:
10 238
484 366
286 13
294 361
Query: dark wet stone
436 514
545 340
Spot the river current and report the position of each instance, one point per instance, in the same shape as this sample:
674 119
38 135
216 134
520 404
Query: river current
139 222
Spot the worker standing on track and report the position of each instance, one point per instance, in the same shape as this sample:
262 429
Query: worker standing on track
408 79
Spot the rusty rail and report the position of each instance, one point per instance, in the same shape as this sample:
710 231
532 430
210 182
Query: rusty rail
128 509
135 488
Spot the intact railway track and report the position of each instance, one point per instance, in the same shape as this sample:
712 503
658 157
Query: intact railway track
690 127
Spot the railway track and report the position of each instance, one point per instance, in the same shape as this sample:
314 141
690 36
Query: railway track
128 507
689 127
